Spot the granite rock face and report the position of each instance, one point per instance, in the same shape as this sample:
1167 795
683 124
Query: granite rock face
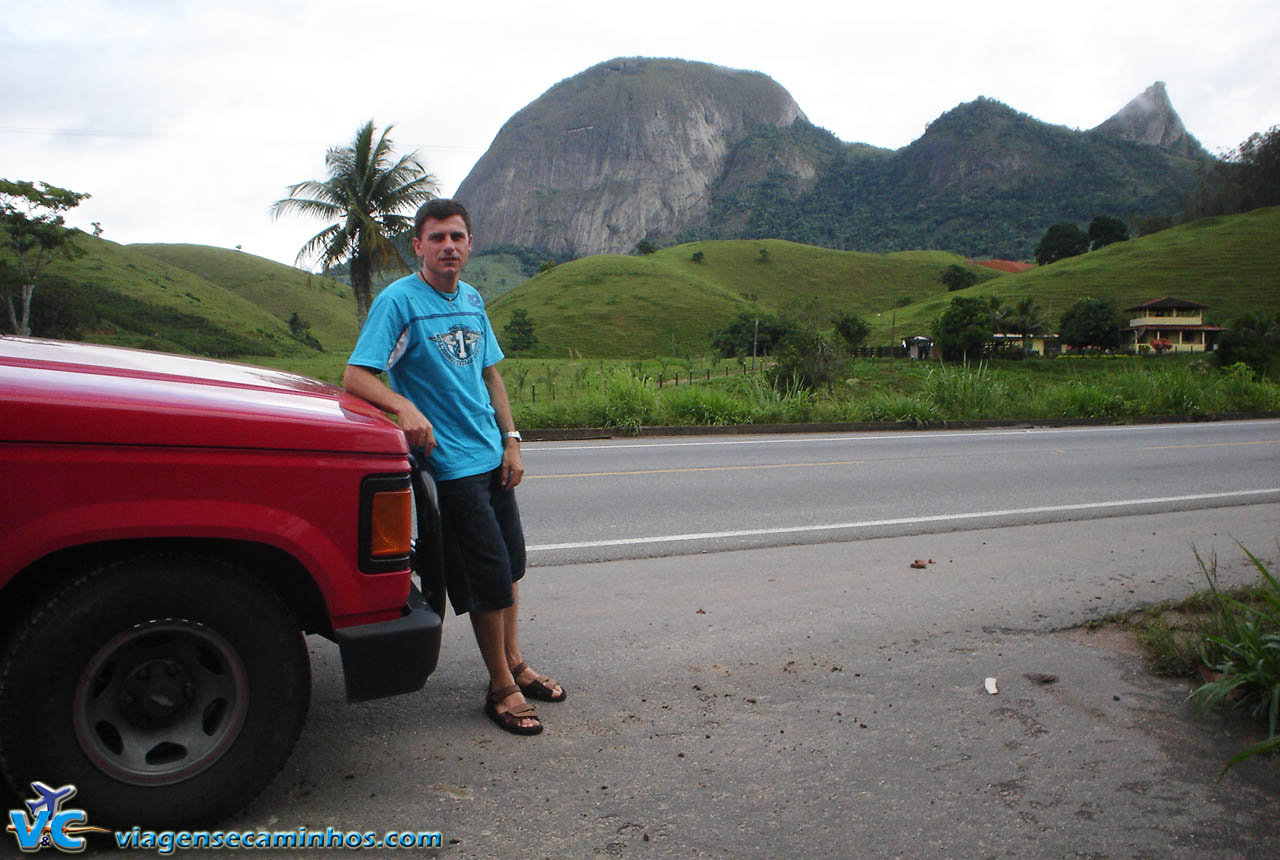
1150 118
628 150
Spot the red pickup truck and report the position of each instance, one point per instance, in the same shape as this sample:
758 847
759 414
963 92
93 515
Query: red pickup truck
171 528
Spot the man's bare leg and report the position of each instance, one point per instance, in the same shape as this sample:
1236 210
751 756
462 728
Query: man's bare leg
490 630
511 640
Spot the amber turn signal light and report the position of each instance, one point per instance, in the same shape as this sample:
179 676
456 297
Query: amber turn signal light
391 524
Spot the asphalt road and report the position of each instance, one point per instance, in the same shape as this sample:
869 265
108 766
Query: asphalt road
603 500
827 699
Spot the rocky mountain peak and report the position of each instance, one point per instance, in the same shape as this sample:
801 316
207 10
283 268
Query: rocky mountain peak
1150 118
618 153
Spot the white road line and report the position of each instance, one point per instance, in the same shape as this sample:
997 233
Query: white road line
863 435
899 521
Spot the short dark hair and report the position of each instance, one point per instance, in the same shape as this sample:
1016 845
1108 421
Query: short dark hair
439 209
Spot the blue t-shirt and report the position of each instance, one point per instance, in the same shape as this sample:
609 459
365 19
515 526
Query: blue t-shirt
434 347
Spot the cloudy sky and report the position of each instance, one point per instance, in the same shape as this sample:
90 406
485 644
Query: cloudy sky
186 120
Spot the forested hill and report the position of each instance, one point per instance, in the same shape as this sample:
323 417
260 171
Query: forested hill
983 181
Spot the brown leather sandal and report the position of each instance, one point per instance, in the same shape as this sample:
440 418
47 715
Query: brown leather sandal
541 687
509 720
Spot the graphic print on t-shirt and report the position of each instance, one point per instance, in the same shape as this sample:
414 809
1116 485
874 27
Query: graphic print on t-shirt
458 344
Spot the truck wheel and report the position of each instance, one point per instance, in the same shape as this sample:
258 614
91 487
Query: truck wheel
168 689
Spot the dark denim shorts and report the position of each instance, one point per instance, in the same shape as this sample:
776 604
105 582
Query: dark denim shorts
483 541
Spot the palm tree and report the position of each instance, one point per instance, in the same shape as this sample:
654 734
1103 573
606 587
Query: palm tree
1027 319
999 312
365 193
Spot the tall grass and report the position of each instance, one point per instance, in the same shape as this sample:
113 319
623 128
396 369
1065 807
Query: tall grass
627 395
697 405
768 404
1244 650
966 392
901 408
630 402
1076 398
1231 635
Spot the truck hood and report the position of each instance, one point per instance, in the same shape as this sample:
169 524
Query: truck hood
135 397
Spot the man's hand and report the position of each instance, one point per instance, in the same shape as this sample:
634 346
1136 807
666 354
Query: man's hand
512 464
417 429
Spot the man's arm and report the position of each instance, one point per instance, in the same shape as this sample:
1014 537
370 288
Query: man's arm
512 464
365 384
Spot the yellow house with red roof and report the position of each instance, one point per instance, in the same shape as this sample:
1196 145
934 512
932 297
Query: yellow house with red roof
1175 322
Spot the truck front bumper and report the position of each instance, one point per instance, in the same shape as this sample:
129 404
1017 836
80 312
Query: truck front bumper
391 657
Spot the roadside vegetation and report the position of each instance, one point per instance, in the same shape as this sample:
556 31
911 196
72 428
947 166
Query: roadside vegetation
1228 640
628 395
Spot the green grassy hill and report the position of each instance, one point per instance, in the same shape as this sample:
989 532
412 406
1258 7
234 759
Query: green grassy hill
1231 264
612 305
324 304
192 299
494 275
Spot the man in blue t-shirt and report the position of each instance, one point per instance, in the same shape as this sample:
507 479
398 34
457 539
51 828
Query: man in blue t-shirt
430 334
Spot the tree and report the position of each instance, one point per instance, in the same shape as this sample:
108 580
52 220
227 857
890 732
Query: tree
1105 230
852 328
957 277
364 195
518 331
698 257
301 331
1061 241
1259 159
746 332
1253 339
644 247
1248 178
32 233
805 359
1091 323
1026 319
963 329
999 313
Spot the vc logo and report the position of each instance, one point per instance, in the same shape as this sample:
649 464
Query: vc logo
48 824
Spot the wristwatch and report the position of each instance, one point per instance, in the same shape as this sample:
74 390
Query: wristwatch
514 434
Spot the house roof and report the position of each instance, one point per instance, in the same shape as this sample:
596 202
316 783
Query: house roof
1167 302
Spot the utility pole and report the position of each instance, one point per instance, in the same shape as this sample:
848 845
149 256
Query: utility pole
755 340
893 336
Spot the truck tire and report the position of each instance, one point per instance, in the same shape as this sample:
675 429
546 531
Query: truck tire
169 689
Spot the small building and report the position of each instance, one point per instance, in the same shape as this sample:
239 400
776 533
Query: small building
1036 344
918 347
1174 321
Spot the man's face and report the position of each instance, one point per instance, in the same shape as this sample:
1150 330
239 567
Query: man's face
444 246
